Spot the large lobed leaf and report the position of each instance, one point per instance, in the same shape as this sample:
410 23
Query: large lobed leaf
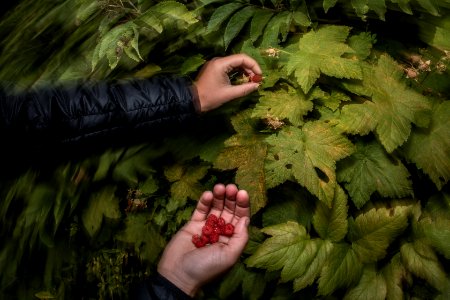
141 232
331 222
246 151
319 52
103 204
420 259
393 108
373 231
184 184
289 249
307 155
343 269
284 104
429 148
369 170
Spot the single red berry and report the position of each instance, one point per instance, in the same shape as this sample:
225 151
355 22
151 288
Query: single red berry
217 230
221 222
213 238
211 220
207 230
197 241
256 78
228 230
204 239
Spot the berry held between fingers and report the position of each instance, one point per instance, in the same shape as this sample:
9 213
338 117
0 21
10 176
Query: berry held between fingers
211 231
256 78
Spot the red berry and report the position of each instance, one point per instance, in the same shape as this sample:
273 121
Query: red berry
211 220
256 78
197 241
213 238
221 222
217 230
207 230
228 230
204 239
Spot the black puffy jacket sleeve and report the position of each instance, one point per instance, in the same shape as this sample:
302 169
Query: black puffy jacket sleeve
158 288
79 112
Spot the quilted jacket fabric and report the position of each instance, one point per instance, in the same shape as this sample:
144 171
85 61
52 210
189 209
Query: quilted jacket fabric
79 112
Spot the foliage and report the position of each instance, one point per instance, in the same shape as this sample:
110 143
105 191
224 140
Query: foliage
344 149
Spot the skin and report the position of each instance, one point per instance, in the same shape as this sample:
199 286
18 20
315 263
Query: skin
189 267
213 83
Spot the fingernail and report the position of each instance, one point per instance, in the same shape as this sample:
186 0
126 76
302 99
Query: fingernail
247 221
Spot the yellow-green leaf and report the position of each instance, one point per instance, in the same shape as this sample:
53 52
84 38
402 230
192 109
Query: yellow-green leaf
103 204
308 156
246 151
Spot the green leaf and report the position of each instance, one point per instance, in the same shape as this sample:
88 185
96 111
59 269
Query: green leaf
421 260
259 22
192 64
373 231
394 106
22 186
370 169
289 249
429 6
358 118
114 42
236 23
428 148
134 163
232 280
327 4
286 103
394 274
253 283
279 24
332 100
287 242
313 259
221 14
103 204
150 19
175 10
301 18
343 269
143 235
246 151
331 222
291 205
371 286
185 184
362 44
404 5
307 155
321 52
436 231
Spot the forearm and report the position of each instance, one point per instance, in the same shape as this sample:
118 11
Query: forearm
85 111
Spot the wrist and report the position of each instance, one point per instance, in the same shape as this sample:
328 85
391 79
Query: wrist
195 98
181 282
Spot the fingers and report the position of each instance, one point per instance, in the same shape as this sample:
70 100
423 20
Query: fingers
241 61
238 241
227 202
237 91
203 207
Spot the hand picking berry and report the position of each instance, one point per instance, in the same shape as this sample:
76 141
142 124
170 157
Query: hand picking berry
211 231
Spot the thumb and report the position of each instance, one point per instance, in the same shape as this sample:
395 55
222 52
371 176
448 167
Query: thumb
240 237
237 91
